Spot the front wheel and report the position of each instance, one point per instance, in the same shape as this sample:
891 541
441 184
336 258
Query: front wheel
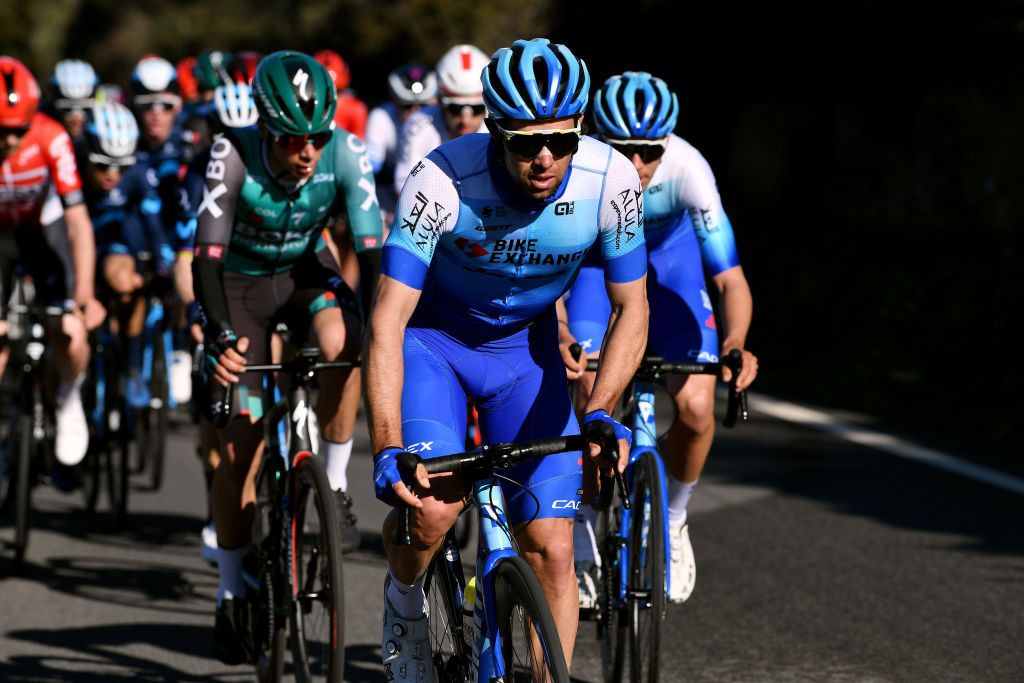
646 588
318 630
531 648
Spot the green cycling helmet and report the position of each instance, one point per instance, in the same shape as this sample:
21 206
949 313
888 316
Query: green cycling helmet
294 94
211 69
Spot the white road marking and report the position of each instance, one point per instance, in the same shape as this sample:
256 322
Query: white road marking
888 443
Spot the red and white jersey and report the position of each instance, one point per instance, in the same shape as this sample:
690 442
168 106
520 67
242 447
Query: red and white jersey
40 178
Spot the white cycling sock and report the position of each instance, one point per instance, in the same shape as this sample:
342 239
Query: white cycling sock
336 457
679 493
408 601
229 563
583 541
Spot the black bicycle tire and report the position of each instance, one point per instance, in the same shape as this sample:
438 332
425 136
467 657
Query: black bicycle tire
23 482
310 476
516 584
445 587
156 435
269 627
648 547
611 629
88 474
116 447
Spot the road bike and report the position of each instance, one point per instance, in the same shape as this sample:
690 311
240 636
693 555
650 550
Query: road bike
294 564
632 532
500 627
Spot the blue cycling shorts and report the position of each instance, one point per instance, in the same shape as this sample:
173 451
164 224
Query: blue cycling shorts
682 324
518 385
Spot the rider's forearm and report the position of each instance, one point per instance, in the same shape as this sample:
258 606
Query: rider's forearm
736 306
620 352
183 278
384 378
83 251
208 280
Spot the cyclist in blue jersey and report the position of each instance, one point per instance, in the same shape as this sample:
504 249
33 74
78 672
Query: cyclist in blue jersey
687 233
114 197
489 232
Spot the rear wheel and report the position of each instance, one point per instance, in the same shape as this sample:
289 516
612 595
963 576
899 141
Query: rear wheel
611 627
531 648
646 588
23 486
116 449
318 631
450 629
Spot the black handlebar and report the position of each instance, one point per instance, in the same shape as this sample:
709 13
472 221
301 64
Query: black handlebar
500 456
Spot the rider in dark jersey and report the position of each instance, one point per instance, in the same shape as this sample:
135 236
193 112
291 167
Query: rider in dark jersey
261 257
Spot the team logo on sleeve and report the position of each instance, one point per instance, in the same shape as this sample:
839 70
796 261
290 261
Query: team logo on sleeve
426 220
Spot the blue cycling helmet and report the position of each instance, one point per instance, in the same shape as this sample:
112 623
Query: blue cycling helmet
635 105
535 79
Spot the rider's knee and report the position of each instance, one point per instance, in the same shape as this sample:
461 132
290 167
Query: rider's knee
551 550
432 521
697 412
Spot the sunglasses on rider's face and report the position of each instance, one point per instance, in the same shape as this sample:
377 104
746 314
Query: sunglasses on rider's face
529 143
159 106
293 144
461 109
647 151
105 164
17 131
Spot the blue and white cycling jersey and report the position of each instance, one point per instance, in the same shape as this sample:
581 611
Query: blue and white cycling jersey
490 264
487 259
687 235
682 196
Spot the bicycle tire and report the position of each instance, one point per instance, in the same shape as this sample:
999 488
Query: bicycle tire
518 596
155 429
88 475
611 627
116 449
23 492
646 573
450 630
269 629
318 643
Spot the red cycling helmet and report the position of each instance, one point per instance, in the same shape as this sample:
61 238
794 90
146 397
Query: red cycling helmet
19 93
336 66
187 80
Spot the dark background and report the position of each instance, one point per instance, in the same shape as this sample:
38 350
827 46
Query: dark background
869 155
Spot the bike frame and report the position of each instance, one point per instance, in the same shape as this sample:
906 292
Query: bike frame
152 327
645 439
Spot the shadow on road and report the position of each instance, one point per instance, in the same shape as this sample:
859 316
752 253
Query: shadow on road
98 653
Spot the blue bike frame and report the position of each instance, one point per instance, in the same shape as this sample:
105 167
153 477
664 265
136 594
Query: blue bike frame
154 316
645 439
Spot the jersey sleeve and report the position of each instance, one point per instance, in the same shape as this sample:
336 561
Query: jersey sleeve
354 174
215 213
710 224
621 223
380 136
427 208
64 169
416 140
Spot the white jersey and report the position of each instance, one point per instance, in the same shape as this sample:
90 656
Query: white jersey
422 132
382 128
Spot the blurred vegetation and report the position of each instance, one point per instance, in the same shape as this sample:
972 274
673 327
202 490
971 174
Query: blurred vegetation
870 155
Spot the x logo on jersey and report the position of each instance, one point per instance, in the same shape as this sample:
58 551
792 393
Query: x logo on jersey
209 202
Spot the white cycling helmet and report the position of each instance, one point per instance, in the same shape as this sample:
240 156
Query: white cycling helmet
111 133
72 81
236 107
458 73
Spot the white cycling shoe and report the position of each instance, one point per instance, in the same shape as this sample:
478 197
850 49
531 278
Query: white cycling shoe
684 567
181 377
586 581
405 646
72 428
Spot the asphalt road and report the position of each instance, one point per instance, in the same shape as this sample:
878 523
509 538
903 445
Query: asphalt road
818 560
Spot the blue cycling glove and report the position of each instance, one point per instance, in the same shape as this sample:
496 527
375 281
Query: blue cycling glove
385 473
597 417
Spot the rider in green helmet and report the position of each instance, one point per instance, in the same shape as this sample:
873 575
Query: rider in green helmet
269 196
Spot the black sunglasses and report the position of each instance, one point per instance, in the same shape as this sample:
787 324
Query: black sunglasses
18 131
458 109
161 106
647 153
528 144
292 144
